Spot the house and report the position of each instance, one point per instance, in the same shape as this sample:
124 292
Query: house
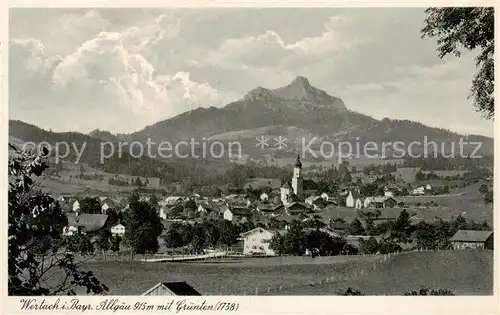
264 197
76 205
353 200
237 214
285 192
428 187
467 239
384 202
256 241
270 209
296 208
84 223
310 200
172 288
326 197
368 202
418 191
173 200
117 230
338 227
107 204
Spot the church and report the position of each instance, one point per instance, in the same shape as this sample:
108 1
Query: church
298 188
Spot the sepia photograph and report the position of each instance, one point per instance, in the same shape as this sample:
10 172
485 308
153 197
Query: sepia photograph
250 151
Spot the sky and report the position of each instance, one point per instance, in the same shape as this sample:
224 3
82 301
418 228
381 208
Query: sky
123 69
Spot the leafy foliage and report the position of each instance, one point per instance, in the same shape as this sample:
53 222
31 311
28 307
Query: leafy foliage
470 28
142 226
37 248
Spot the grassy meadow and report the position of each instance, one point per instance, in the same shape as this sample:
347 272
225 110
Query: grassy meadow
374 275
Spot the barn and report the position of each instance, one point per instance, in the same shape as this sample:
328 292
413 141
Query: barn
171 288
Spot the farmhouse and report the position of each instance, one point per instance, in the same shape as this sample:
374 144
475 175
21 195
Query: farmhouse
466 239
171 288
270 209
385 202
84 223
256 241
418 191
296 208
118 230
237 214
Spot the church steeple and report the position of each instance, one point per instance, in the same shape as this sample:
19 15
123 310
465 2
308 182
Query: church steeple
297 177
298 163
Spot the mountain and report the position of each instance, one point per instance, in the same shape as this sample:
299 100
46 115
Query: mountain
298 112
301 106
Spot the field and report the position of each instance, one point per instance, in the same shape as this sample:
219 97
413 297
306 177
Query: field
302 275
410 271
466 201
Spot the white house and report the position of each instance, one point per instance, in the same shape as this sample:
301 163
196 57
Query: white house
325 196
256 241
358 204
428 187
419 191
117 230
173 200
388 193
76 205
349 201
368 202
105 207
264 197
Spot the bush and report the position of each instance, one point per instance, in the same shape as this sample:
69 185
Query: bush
349 291
427 291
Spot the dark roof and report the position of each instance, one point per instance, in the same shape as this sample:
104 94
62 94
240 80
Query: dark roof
338 225
87 221
268 207
287 218
177 288
471 236
240 211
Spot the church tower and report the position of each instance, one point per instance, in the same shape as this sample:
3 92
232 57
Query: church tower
297 177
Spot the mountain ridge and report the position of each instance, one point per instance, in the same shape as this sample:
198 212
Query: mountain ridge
298 104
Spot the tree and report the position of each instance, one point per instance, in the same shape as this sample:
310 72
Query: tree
228 233
90 205
104 240
277 244
483 189
369 246
115 243
355 228
173 238
470 28
401 228
36 246
142 226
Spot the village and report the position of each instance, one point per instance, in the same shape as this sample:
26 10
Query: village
267 209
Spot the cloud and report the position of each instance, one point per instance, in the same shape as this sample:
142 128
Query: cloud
121 69
109 79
